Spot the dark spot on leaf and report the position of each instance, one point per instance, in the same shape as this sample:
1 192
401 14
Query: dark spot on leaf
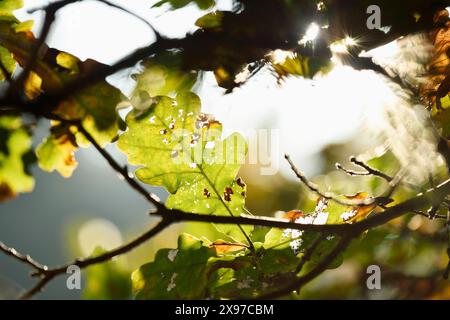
240 183
69 160
293 215
227 193
206 193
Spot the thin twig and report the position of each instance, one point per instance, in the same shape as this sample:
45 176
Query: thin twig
47 274
25 258
113 5
426 215
351 172
326 195
36 288
370 170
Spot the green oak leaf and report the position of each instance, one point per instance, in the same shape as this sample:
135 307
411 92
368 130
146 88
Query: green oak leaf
183 151
212 20
6 57
163 75
180 273
232 283
297 65
8 6
279 260
56 152
8 62
15 151
177 4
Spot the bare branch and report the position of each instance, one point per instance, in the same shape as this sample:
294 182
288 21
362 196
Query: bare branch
352 172
370 170
47 274
25 258
426 215
327 195
113 5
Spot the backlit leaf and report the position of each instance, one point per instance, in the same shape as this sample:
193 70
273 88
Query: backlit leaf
224 247
15 156
6 14
163 75
297 65
183 151
179 273
56 152
177 4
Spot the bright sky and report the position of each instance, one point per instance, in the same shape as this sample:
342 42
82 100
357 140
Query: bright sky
309 115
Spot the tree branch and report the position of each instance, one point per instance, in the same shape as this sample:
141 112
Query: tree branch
25 258
432 196
326 195
113 5
46 274
369 170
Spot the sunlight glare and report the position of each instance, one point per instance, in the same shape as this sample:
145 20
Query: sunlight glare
349 41
311 33
279 56
98 233
338 47
341 46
